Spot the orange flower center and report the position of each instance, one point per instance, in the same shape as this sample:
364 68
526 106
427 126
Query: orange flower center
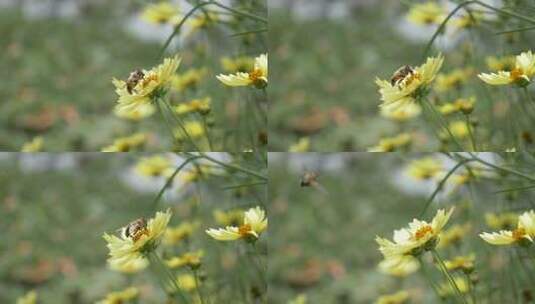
245 229
516 74
519 233
149 79
422 232
255 75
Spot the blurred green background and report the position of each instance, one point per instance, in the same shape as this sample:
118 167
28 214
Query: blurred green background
57 72
56 207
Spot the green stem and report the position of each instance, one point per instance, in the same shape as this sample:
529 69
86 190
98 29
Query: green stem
514 172
158 262
449 277
443 124
234 167
238 12
470 132
180 125
429 278
198 284
208 138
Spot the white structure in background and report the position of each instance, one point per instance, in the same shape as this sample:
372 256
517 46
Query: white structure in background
40 162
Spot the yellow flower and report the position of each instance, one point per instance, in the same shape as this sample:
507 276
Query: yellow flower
458 128
425 168
303 145
29 298
399 297
453 235
468 20
520 75
445 289
415 238
391 144
427 13
300 299
238 64
186 282
133 266
201 105
156 165
522 235
174 235
464 105
196 173
160 13
137 241
193 128
409 84
453 80
191 259
502 221
119 297
126 144
35 145
401 113
188 80
258 77
254 223
136 114
202 21
399 266
232 217
463 263
144 87
506 63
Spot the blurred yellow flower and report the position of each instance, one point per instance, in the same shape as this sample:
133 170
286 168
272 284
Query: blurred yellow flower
239 64
458 128
160 13
190 79
454 235
254 223
464 105
29 298
453 80
177 234
35 145
520 75
120 297
196 173
468 20
462 263
303 145
399 297
186 282
390 144
401 113
522 235
126 144
193 128
424 168
200 105
300 299
202 21
399 266
427 13
505 63
143 87
258 77
156 165
132 266
233 217
137 241
502 221
190 259
136 114
419 236
445 289
408 84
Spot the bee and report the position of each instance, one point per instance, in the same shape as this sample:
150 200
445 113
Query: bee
309 179
135 229
133 80
400 74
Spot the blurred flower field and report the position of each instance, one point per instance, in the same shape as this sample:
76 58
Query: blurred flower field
403 76
345 231
93 76
61 211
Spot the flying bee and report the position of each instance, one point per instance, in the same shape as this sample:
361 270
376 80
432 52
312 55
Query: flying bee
133 80
135 229
400 74
309 179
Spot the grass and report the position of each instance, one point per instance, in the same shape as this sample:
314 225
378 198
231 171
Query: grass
54 220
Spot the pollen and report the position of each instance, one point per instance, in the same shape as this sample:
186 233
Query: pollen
516 74
519 233
422 232
245 229
137 235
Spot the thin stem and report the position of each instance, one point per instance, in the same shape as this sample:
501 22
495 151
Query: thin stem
207 132
429 278
443 124
471 286
238 12
157 261
180 125
198 284
514 172
450 279
234 167
470 132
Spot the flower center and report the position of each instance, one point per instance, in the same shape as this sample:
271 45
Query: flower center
255 75
516 74
422 232
245 229
519 233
